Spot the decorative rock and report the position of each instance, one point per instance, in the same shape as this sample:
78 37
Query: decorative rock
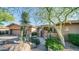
21 47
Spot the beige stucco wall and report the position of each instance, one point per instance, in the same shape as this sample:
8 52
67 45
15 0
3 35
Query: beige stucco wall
72 28
69 28
16 32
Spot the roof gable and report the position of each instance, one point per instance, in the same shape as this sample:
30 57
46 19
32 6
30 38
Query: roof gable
13 25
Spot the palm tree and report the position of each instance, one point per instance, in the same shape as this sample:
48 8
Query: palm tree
23 45
24 23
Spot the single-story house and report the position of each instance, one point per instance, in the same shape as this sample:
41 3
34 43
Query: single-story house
14 29
71 27
4 30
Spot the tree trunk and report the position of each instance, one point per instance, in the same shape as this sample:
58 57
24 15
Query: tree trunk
59 32
23 34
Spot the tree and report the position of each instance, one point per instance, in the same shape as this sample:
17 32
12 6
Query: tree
23 13
5 16
24 23
23 45
55 16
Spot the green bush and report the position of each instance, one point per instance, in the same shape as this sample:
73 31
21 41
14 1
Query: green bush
54 44
74 39
35 40
34 34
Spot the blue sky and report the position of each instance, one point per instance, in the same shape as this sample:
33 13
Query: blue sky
17 14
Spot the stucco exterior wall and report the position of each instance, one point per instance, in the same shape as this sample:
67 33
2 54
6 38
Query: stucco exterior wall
72 28
68 28
16 32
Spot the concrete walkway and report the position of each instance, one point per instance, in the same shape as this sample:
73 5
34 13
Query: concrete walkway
40 47
71 47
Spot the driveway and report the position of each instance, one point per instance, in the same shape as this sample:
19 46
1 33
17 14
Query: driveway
5 39
8 37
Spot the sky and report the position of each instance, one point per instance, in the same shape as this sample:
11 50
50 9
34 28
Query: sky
16 12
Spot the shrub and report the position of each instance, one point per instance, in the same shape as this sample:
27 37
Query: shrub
74 39
35 40
54 44
34 34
